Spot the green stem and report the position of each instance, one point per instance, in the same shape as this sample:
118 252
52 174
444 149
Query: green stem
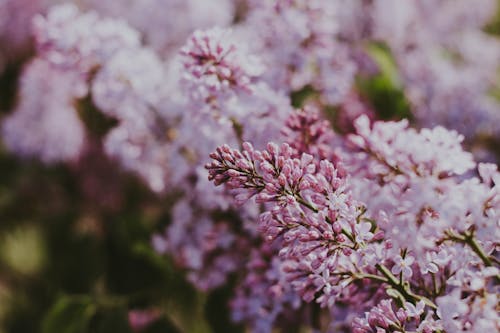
468 239
405 291
385 272
305 203
434 285
371 277
471 241
348 235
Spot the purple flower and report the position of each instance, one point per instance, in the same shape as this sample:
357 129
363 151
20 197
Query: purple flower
403 266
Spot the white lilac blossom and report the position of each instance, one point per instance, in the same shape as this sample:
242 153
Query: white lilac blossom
166 24
474 313
134 93
69 39
419 189
298 42
446 77
45 123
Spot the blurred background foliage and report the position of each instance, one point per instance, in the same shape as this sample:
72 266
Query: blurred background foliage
73 261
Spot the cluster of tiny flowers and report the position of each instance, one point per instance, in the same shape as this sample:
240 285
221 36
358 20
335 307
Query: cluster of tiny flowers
308 210
264 297
389 149
67 38
153 134
383 318
166 24
215 66
59 133
414 181
306 132
298 41
413 234
208 244
386 227
92 53
443 90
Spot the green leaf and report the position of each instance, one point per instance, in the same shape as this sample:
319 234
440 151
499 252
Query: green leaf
300 97
69 315
385 90
493 27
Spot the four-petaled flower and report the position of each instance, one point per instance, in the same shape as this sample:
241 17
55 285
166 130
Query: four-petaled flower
403 265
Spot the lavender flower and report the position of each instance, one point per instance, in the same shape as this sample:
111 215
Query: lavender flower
216 66
45 123
69 39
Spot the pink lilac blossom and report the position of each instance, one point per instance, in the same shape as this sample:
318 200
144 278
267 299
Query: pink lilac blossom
309 211
215 66
306 132
383 318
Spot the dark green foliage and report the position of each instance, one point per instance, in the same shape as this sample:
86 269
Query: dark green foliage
384 90
92 264
217 312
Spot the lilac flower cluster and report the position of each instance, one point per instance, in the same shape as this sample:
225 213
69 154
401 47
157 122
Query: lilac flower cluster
166 24
414 235
55 134
445 76
383 318
386 227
